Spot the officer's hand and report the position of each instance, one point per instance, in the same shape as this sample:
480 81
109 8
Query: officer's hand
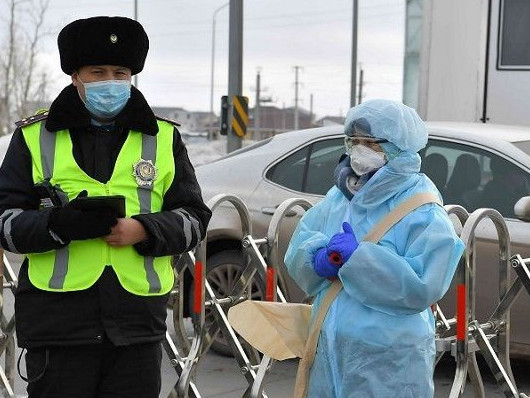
323 265
69 223
344 243
126 232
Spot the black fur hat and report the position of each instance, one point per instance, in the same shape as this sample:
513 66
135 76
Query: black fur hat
103 41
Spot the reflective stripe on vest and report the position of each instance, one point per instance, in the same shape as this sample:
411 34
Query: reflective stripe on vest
78 265
144 196
47 147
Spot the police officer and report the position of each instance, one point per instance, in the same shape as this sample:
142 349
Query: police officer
92 292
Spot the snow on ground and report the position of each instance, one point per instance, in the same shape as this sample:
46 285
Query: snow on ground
202 151
4 143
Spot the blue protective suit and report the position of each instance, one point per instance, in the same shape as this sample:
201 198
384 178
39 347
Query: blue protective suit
378 337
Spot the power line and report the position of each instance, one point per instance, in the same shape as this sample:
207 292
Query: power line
169 30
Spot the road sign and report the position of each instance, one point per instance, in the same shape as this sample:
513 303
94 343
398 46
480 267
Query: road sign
239 115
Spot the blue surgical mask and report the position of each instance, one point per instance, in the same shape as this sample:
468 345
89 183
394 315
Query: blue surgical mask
106 98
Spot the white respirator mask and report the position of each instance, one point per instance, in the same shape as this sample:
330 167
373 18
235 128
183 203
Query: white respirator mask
364 160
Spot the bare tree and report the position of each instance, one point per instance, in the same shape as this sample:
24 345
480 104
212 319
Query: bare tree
7 69
21 80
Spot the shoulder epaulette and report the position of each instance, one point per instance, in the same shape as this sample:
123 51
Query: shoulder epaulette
168 120
41 115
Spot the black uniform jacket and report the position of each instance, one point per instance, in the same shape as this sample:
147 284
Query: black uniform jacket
105 309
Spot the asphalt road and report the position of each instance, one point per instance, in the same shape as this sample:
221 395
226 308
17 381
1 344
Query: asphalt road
219 377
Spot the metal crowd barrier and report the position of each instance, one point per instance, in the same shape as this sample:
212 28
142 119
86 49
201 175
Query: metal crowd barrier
180 352
8 280
209 312
189 356
472 336
205 298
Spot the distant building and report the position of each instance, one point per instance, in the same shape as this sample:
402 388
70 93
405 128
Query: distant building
330 121
189 121
279 119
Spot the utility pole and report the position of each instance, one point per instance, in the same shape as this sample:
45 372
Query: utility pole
353 82
284 123
212 72
257 106
235 65
135 77
311 110
361 82
296 83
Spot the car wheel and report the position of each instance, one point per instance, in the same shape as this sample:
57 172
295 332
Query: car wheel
223 272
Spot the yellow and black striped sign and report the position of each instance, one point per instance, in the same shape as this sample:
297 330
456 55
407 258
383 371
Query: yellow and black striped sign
239 115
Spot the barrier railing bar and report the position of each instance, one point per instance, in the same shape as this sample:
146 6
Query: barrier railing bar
242 284
8 279
5 386
178 308
464 278
177 363
500 374
273 232
191 361
507 301
520 266
245 366
461 348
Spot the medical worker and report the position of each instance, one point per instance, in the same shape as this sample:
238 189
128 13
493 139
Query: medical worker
377 339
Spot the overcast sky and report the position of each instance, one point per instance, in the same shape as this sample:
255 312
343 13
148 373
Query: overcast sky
278 35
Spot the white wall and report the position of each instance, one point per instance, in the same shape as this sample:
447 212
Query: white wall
508 91
452 60
453 63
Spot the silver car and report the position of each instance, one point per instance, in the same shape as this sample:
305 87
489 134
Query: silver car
474 165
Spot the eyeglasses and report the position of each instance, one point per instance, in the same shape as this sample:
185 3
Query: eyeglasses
365 140
350 142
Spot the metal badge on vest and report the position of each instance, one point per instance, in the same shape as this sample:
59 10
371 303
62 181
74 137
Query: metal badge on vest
145 172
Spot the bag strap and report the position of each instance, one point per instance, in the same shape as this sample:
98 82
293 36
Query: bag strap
398 213
302 373
377 232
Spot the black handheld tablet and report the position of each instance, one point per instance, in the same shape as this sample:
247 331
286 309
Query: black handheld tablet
116 202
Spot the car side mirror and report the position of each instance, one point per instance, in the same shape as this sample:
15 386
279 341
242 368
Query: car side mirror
522 208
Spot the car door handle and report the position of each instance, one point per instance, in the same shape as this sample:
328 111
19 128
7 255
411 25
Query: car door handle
270 211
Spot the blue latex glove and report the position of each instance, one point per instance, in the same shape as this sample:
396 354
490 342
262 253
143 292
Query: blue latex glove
343 243
323 266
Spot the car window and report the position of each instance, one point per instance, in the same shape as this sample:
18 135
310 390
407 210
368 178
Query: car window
309 169
474 178
290 171
523 146
322 162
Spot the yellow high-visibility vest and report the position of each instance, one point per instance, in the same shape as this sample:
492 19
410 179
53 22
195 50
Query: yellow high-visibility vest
143 173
